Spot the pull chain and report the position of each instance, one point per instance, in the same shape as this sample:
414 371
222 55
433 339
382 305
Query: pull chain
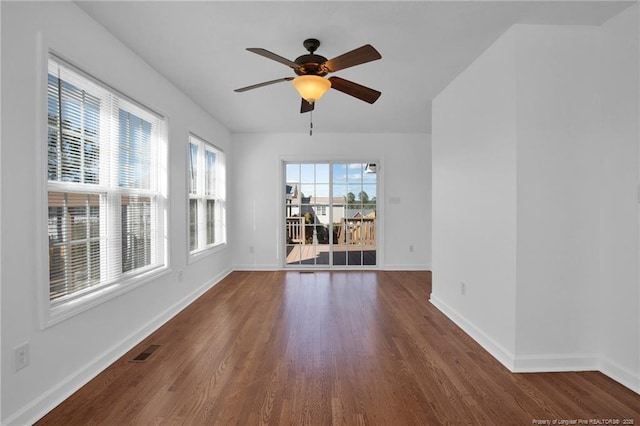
311 123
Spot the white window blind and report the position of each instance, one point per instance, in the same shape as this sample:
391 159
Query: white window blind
106 173
206 195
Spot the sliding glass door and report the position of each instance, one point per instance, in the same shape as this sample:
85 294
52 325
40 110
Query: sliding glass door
330 214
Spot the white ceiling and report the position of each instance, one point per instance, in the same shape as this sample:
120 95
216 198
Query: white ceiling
200 47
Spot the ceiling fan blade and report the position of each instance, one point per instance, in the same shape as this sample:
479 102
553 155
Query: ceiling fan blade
273 56
306 106
266 83
361 55
354 89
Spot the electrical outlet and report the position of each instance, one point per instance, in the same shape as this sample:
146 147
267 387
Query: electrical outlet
463 288
252 249
180 276
21 356
411 249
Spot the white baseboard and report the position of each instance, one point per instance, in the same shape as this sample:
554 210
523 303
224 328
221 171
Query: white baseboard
543 363
406 267
496 350
546 363
257 268
520 364
620 374
35 410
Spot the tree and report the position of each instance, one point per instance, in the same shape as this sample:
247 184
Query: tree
364 197
351 198
308 218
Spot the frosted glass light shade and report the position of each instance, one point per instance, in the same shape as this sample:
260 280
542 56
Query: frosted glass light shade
311 87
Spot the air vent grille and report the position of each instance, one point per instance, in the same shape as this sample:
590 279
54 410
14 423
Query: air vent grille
144 355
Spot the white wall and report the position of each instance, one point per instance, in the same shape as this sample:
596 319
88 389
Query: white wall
618 292
572 296
558 153
405 180
474 199
67 354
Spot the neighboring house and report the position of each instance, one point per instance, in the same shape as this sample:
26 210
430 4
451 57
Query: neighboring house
323 207
291 194
360 211
320 208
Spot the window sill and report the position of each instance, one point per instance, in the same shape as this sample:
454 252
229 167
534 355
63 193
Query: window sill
55 314
201 254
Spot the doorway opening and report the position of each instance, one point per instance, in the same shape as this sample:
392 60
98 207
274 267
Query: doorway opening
331 214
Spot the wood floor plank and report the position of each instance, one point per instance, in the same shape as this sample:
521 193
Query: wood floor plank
328 348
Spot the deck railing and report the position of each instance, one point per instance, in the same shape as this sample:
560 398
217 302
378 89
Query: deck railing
295 230
357 231
351 231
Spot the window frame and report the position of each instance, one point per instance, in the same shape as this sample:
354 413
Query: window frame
201 198
110 195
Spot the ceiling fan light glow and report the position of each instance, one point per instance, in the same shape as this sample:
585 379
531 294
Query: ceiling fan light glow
311 87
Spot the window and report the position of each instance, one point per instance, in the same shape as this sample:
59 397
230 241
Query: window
206 195
106 172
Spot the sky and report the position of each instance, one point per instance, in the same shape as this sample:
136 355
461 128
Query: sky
318 179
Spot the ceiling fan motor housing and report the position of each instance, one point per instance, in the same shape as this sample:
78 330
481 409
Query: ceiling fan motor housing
311 64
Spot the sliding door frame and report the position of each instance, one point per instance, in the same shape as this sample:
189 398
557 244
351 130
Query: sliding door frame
281 211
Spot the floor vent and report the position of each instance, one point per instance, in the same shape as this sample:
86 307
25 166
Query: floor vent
144 355
307 272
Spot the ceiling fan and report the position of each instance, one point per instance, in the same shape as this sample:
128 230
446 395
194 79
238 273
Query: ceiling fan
312 68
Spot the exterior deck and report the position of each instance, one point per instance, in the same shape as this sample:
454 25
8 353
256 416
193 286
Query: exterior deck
309 254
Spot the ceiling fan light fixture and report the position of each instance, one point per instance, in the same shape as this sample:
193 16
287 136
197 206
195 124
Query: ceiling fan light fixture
311 87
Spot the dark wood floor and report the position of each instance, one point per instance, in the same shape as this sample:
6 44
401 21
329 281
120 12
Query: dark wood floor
324 348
